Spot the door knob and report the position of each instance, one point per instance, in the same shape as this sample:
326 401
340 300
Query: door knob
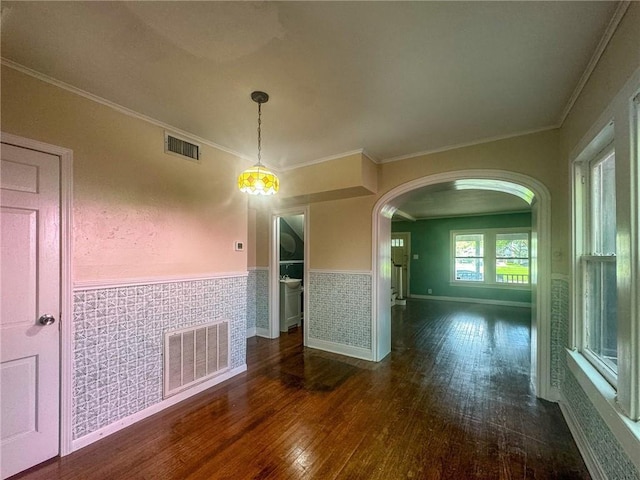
46 319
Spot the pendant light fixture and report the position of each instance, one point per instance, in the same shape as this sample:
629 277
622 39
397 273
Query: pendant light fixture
258 180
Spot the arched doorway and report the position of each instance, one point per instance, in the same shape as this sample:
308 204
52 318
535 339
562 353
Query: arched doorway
498 180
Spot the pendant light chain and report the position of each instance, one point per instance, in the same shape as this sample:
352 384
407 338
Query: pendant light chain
259 133
258 180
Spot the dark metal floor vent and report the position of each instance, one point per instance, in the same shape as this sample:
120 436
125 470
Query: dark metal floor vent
179 146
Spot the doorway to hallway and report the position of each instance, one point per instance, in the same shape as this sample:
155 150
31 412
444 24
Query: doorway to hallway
288 272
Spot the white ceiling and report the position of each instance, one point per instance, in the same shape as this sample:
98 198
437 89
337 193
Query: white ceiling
393 78
445 200
390 78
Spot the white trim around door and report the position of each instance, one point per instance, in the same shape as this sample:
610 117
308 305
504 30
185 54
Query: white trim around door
274 270
66 281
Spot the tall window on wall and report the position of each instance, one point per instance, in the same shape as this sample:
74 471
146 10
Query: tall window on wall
512 258
495 257
606 246
598 262
469 257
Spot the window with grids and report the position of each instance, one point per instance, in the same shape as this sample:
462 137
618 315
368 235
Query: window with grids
512 258
599 265
469 257
495 257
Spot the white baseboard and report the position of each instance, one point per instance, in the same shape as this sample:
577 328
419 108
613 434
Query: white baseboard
554 395
81 442
348 350
595 470
484 301
262 332
251 332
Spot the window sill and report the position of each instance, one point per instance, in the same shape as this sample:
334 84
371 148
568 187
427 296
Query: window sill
501 286
603 398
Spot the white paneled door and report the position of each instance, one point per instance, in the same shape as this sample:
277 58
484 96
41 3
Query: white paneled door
29 326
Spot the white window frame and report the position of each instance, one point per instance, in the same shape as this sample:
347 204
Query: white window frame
489 258
619 406
586 250
454 257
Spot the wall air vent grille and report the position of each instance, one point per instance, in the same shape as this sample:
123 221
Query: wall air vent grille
195 354
176 145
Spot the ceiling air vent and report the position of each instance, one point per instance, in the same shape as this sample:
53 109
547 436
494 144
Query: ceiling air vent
176 145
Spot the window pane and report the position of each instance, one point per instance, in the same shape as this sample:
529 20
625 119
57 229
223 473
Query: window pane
470 269
469 264
512 245
470 245
397 242
512 257
601 306
512 270
603 207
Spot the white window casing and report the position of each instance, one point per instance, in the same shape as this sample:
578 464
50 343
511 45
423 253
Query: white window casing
623 112
488 258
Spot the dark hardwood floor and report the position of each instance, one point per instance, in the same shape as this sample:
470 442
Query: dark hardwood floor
452 401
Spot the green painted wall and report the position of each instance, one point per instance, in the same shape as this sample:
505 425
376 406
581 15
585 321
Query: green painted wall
430 239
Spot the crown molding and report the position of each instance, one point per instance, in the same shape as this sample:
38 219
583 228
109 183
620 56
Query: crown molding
322 160
124 110
469 144
595 58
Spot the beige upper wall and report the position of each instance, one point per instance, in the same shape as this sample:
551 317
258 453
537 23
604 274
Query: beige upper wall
342 229
259 231
369 174
138 212
535 155
251 238
340 233
619 61
345 177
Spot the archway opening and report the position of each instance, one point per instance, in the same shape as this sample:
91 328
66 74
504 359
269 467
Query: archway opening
526 188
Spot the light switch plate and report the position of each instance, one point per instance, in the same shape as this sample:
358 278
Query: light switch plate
239 246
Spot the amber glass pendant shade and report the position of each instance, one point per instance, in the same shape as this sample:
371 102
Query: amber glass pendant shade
258 180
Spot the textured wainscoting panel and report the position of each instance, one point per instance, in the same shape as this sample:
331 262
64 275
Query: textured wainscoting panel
559 328
262 299
340 308
118 334
605 447
251 299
